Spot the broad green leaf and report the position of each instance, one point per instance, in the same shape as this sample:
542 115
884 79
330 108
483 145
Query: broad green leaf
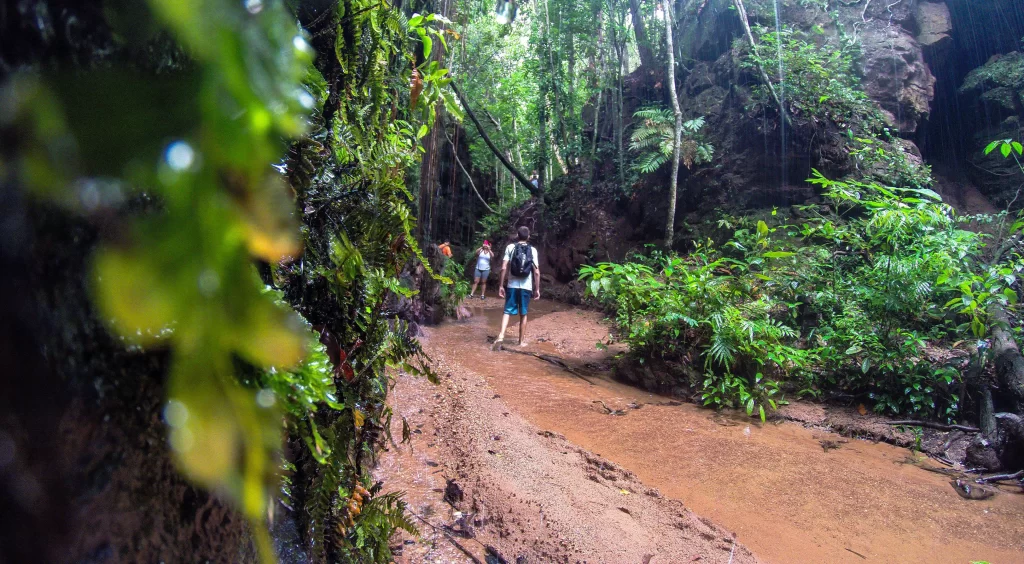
778 254
428 44
1011 295
992 147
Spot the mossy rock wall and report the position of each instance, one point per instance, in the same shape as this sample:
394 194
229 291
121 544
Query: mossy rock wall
90 476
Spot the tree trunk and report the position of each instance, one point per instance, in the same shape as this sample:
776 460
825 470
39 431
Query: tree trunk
677 132
643 47
1008 360
572 85
515 144
490 144
621 123
598 71
558 158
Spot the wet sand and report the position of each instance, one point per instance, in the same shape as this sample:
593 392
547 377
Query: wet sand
774 485
524 493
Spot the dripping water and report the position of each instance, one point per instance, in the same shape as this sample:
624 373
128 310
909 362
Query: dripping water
782 96
892 33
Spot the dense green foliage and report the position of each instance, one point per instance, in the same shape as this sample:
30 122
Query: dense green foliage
820 81
349 179
453 294
845 300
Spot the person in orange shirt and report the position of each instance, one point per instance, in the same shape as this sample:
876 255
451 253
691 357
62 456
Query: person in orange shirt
446 249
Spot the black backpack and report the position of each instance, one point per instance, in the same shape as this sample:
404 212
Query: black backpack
522 260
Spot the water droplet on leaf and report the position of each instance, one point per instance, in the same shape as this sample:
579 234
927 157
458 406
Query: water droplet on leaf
180 156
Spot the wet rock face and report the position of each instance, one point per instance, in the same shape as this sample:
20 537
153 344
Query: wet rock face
935 26
93 479
896 76
752 166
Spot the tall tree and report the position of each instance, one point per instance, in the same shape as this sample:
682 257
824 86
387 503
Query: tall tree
678 131
643 47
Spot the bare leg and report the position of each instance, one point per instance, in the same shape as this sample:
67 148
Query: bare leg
473 291
483 290
522 330
504 326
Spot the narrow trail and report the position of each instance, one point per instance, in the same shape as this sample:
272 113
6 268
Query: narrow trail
547 474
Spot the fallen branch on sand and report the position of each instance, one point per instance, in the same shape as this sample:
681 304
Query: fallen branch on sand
450 538
857 553
1016 476
546 358
610 410
936 426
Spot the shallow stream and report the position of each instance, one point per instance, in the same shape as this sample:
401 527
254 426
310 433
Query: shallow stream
787 497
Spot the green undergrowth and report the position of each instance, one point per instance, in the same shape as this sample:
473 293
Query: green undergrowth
453 294
844 299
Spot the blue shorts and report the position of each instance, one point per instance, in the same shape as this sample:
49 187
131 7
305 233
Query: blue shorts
517 301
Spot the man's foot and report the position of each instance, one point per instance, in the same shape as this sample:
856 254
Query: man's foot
522 343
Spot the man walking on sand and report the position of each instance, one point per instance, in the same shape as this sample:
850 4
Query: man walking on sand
522 267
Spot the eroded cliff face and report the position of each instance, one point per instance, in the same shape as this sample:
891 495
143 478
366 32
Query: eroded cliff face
753 166
895 74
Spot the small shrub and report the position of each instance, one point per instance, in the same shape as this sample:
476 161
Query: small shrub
453 293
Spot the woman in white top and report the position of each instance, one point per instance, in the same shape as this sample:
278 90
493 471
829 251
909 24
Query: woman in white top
483 269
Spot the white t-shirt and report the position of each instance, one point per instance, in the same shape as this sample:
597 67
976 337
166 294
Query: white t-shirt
524 282
483 261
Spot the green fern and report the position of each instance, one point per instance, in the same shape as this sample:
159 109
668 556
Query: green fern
379 519
652 140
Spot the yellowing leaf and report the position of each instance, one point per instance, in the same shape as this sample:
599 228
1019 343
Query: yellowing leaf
270 229
359 418
220 437
131 291
271 336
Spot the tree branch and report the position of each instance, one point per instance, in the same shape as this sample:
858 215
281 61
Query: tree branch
455 154
936 426
490 145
